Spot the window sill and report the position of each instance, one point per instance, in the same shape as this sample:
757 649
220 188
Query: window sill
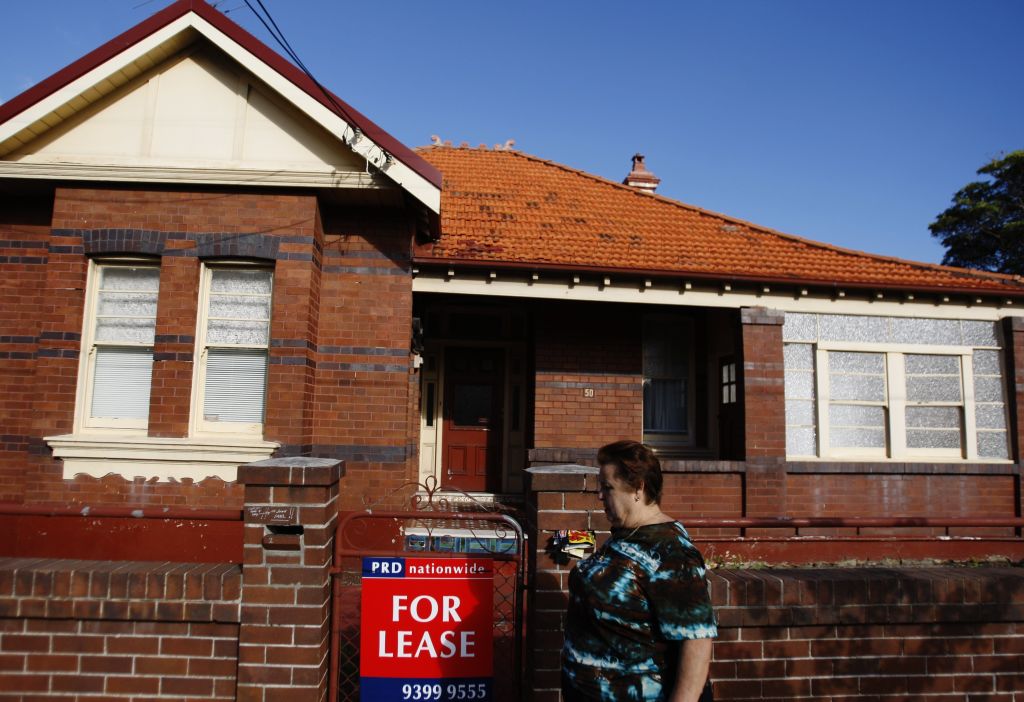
131 455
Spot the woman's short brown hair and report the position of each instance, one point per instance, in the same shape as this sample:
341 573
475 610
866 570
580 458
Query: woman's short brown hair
635 464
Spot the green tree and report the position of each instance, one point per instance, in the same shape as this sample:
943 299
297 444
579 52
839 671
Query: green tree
985 226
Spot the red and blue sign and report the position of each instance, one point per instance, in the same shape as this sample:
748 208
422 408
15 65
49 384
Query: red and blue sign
427 630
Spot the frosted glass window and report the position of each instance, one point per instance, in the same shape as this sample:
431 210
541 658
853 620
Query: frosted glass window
857 426
799 356
800 412
236 338
866 388
801 441
986 363
800 327
993 444
926 331
843 327
120 334
933 378
799 385
126 304
979 333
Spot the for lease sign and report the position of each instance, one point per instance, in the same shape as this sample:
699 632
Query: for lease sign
426 630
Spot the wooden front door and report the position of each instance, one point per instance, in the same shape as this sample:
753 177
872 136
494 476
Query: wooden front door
474 383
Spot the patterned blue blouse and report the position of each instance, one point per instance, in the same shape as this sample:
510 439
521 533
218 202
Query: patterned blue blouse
641 591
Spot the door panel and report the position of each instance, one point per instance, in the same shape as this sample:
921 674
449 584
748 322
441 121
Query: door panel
473 402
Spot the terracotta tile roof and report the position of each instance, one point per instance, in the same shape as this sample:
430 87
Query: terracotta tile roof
505 208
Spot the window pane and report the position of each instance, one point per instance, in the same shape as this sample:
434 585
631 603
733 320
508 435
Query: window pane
918 364
224 331
988 389
129 278
933 417
800 412
799 356
933 388
990 416
665 406
856 416
934 439
236 382
864 388
240 306
121 382
473 404
857 438
664 348
126 304
992 444
801 441
799 385
986 363
846 362
238 281
140 331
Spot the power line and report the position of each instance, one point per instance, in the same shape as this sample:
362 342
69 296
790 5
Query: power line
275 31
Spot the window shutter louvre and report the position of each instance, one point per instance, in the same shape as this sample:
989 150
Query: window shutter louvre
121 382
236 383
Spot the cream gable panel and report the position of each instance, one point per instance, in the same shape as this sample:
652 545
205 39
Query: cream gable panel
193 113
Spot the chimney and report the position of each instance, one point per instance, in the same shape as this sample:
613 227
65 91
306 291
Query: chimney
641 178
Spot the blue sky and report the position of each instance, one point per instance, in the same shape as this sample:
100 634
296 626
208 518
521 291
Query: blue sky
847 122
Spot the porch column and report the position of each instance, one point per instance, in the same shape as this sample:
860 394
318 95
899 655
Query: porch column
291 512
764 407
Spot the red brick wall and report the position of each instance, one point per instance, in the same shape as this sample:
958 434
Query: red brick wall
582 346
24 248
339 383
844 495
865 634
364 380
81 629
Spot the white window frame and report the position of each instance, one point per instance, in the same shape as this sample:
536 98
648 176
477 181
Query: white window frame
84 422
896 403
199 425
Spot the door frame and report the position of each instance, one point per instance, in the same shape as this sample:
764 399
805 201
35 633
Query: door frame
432 437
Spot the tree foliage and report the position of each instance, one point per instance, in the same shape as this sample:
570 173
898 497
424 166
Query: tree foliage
984 228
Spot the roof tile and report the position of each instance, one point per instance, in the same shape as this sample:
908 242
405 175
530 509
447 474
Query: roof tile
505 207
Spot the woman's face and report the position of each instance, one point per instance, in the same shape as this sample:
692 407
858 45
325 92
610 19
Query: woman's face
618 498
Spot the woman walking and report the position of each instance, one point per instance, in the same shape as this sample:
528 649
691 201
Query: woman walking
640 621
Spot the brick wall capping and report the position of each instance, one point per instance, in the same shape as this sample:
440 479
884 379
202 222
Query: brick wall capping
762 315
567 476
292 470
55 588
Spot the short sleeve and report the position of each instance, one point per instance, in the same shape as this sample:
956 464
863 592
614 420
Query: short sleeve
679 599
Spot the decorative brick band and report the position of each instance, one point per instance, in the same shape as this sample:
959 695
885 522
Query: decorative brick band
206 244
101 241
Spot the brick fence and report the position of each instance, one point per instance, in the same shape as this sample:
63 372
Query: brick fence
802 633
106 630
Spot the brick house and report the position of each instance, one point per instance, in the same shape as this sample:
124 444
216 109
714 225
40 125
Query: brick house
210 259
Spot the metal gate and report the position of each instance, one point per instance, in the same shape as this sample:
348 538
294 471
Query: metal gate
436 527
